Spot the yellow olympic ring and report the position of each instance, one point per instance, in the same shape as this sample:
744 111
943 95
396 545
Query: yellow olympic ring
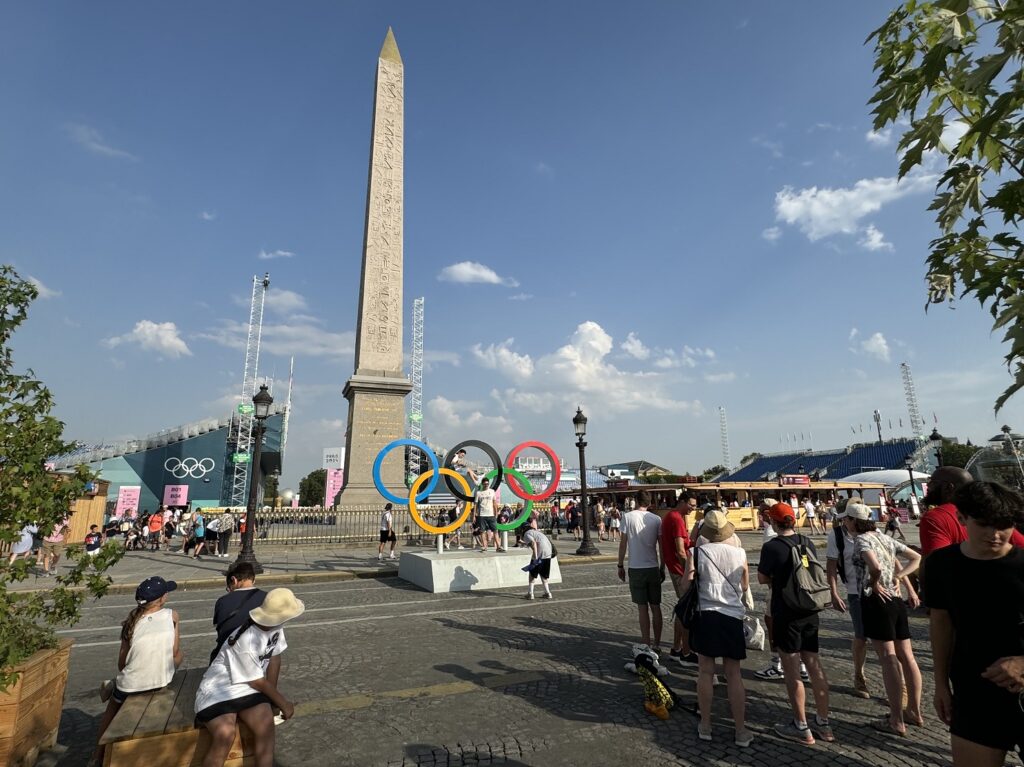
414 510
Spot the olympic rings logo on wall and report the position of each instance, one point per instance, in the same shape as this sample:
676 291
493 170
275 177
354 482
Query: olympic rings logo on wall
189 467
518 483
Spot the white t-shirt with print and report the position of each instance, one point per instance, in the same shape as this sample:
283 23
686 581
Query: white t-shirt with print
485 503
236 665
641 528
386 520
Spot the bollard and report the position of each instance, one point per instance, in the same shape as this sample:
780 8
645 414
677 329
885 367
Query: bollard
504 539
440 544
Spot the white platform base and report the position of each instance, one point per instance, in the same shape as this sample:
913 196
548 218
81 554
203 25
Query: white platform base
469 570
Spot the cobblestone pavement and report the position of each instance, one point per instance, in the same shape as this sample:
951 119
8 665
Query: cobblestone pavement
385 674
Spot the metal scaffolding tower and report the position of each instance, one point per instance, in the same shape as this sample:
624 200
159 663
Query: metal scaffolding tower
916 423
724 428
415 429
242 423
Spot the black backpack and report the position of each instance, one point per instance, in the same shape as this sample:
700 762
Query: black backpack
807 589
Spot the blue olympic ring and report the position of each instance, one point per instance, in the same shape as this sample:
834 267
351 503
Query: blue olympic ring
379 483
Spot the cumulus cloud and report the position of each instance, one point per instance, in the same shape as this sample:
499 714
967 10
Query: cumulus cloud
873 239
302 339
44 292
821 212
772 233
269 255
634 347
879 138
459 417
90 138
580 371
500 357
876 346
283 301
471 271
160 337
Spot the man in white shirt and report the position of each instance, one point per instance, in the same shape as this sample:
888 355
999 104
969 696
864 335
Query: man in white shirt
387 532
641 533
485 515
812 516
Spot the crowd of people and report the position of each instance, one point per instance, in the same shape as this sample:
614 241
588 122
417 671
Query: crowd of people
972 578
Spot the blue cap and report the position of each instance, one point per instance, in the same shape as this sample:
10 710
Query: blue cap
152 589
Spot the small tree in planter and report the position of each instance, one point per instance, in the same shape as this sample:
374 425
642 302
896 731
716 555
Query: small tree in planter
30 494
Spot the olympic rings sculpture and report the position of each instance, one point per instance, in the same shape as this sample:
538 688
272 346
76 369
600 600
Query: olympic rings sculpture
519 485
188 467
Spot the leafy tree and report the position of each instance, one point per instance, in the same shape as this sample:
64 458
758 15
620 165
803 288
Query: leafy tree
954 68
312 488
749 457
954 454
713 472
29 494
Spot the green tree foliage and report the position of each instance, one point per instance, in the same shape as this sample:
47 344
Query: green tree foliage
749 457
312 488
29 494
954 454
953 68
713 472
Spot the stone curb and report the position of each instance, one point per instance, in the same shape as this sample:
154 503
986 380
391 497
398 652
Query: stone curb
315 577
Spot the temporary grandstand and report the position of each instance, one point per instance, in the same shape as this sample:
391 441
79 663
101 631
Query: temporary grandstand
835 464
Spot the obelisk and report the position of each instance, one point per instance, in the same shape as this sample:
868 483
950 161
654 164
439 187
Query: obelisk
377 389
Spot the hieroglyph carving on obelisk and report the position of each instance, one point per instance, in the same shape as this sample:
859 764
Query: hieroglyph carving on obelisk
376 390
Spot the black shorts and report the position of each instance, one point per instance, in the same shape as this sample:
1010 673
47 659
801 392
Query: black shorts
387 535
488 523
120 696
232 706
884 621
986 714
543 570
795 633
716 635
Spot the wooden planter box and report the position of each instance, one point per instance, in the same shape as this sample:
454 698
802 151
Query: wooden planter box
30 708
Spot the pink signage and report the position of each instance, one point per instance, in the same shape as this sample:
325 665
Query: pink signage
295 502
175 495
335 481
127 499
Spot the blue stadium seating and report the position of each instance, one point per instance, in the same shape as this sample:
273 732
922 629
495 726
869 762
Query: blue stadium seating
838 463
764 465
887 456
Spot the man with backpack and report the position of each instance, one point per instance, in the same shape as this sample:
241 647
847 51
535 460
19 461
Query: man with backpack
789 562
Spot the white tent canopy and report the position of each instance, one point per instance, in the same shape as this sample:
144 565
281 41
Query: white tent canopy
888 477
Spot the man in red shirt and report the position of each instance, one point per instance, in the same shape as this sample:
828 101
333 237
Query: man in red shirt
941 525
675 541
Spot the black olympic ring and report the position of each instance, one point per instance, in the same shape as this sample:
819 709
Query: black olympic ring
491 453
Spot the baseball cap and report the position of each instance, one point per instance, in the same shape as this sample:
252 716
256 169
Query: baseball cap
780 512
152 589
858 511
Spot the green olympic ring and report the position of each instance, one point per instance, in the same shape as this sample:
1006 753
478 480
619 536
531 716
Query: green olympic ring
527 509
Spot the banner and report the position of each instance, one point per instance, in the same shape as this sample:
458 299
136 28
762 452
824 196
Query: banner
789 480
335 481
127 499
295 502
175 495
334 458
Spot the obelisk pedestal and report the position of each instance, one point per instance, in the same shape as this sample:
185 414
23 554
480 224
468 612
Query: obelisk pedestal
377 389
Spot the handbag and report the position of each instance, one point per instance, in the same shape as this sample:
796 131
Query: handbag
688 608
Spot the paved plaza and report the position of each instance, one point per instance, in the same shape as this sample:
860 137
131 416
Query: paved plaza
385 674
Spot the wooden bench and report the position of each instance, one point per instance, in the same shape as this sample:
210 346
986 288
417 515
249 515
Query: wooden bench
156 729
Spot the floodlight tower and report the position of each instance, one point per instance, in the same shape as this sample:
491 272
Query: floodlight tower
242 421
415 427
724 428
916 424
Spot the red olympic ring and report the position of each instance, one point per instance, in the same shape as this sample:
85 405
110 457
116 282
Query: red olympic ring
556 472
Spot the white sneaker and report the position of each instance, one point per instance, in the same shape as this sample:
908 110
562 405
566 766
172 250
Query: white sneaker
380 557
392 556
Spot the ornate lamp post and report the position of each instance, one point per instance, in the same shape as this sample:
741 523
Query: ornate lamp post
909 463
936 442
579 424
261 409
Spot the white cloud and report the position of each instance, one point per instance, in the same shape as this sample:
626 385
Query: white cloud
160 337
541 168
435 357
853 333
689 357
286 339
774 147
207 215
521 297
458 417
719 377
873 239
876 346
269 255
579 372
44 292
879 138
90 138
284 301
471 271
634 347
772 233
823 212
500 357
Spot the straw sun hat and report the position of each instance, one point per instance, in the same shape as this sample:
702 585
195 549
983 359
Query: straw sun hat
717 527
280 606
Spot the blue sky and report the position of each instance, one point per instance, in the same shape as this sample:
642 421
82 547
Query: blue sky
673 206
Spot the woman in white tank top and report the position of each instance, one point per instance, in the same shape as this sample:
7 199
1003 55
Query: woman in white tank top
149 651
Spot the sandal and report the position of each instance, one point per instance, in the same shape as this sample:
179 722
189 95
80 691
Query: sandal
912 721
884 725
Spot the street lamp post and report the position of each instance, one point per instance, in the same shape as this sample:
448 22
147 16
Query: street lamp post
909 463
261 409
579 423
